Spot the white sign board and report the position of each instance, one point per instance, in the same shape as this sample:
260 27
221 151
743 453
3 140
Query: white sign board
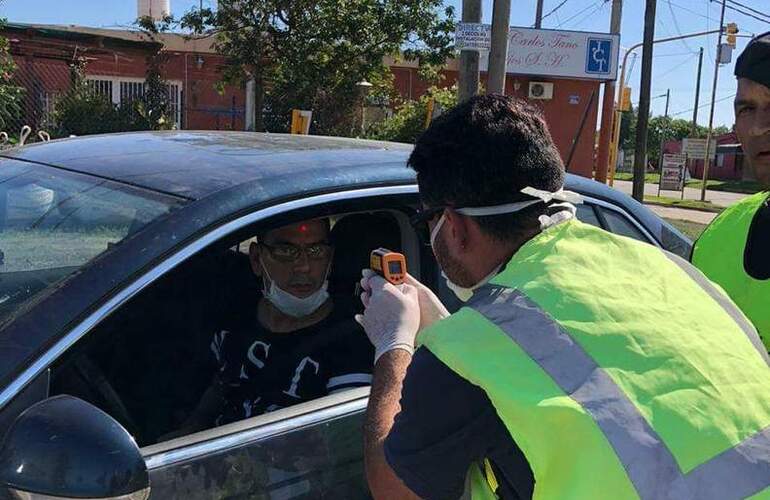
570 54
695 149
672 172
473 36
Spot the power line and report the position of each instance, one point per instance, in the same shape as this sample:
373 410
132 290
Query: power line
749 8
676 26
579 13
736 9
553 11
689 10
702 106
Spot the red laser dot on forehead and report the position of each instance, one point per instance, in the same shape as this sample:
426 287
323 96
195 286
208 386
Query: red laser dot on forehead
303 228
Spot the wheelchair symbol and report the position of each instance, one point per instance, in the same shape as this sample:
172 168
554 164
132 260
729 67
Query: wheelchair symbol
598 57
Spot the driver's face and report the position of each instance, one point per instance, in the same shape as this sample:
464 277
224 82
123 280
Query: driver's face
752 125
297 256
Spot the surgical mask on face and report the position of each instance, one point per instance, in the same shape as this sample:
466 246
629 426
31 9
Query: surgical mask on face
566 199
291 305
462 293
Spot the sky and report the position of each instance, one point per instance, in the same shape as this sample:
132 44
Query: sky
674 65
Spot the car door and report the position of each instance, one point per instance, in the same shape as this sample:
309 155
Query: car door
313 450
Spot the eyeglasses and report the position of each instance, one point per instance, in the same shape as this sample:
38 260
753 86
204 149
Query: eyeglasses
420 219
292 253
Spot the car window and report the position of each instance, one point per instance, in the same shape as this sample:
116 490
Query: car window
53 222
586 213
619 224
154 363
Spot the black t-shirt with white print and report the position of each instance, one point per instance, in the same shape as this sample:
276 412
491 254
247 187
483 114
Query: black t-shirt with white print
261 371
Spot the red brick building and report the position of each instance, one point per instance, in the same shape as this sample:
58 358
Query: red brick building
116 67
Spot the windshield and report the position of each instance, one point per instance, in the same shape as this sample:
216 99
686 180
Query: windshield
53 222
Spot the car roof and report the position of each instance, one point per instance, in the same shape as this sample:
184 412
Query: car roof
197 164
194 165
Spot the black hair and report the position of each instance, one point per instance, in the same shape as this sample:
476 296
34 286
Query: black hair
483 152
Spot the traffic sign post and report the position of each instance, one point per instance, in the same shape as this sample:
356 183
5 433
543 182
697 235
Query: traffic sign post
672 173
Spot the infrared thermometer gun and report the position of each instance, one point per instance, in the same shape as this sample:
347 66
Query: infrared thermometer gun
389 265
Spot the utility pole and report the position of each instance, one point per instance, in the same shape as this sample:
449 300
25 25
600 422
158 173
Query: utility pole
603 155
668 96
498 54
697 96
469 59
707 161
640 154
539 15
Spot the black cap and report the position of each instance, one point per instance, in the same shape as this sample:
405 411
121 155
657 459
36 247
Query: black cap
754 62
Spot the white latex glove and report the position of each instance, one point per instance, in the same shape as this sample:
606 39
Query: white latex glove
431 308
392 315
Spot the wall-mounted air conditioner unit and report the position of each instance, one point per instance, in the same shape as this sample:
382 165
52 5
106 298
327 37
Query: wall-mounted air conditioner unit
540 90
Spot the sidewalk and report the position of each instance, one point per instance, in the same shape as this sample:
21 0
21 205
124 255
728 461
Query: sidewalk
718 198
698 216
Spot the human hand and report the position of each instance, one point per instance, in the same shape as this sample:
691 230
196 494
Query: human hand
431 308
392 315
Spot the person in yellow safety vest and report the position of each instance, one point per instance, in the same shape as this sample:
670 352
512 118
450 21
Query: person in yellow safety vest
734 251
582 365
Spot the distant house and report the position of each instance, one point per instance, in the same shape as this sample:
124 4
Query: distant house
728 164
116 67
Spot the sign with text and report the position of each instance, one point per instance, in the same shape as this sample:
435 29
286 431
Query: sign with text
473 36
695 149
672 172
567 54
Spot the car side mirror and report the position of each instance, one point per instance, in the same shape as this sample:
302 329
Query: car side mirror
63 447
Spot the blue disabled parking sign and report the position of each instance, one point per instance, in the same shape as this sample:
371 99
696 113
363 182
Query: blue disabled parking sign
598 56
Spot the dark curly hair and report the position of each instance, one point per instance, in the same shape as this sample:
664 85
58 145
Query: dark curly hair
482 153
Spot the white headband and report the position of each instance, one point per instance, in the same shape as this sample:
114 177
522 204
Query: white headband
510 208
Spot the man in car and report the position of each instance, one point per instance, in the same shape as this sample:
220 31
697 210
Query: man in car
734 249
295 345
583 364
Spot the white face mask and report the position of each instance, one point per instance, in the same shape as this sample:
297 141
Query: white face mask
567 198
462 293
289 304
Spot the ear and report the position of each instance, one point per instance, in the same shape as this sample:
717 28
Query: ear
458 232
256 264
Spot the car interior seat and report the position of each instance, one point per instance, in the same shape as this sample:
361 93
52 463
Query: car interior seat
354 237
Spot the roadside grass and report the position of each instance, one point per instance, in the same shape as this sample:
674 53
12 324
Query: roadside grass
705 206
693 230
743 187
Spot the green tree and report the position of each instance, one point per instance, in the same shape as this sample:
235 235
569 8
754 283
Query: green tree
154 107
309 54
409 120
10 95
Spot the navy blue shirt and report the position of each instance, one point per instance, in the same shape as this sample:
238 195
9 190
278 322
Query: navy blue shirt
261 371
446 424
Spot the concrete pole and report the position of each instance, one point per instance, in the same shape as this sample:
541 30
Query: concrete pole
251 109
468 84
640 153
539 15
697 95
605 133
498 55
707 161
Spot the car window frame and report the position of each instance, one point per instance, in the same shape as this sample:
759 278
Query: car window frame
622 212
190 249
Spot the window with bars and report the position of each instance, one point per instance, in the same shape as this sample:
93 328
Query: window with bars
121 91
101 87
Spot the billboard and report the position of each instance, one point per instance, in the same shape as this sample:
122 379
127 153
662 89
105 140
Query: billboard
563 54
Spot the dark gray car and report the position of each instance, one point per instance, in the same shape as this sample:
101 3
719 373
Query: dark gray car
120 255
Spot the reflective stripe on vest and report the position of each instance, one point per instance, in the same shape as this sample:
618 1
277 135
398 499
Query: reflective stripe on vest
605 395
719 253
